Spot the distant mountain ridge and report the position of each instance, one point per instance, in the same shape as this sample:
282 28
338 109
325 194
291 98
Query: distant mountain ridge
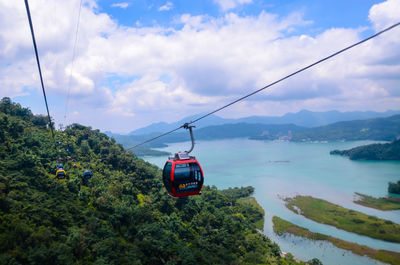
383 129
303 118
224 131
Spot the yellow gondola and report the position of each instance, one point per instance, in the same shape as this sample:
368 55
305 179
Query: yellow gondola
61 174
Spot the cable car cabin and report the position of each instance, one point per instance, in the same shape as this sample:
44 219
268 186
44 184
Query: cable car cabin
60 174
183 176
87 175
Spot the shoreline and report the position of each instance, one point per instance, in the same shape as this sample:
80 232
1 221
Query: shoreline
324 212
253 201
383 203
281 226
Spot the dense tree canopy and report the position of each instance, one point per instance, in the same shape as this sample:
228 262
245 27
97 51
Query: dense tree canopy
121 216
394 187
389 151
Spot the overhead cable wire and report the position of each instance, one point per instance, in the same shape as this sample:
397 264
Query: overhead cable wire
72 61
296 72
152 139
274 83
38 64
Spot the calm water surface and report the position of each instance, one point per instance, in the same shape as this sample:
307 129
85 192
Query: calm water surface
287 169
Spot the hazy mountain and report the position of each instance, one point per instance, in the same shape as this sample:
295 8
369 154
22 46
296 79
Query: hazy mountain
224 131
387 129
314 119
163 126
370 129
303 118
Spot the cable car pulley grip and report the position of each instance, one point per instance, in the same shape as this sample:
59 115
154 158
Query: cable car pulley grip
185 155
189 127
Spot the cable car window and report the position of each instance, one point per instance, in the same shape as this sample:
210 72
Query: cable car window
167 176
182 171
196 172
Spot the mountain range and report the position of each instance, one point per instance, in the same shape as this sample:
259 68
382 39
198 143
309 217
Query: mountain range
380 129
376 128
304 118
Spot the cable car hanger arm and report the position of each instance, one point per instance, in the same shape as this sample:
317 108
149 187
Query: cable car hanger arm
189 127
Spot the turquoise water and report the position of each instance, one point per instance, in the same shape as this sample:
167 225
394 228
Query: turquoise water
286 169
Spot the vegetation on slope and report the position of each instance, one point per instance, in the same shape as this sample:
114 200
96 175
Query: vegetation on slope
384 203
282 226
353 221
122 216
258 211
389 151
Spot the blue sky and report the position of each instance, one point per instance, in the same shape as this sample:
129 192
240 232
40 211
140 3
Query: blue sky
139 62
325 14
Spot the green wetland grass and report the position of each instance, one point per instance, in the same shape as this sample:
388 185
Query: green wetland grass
282 226
384 203
328 213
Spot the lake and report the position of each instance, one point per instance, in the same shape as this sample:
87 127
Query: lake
288 169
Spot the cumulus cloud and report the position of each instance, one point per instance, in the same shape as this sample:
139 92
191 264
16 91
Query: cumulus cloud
231 4
385 14
141 75
122 5
168 6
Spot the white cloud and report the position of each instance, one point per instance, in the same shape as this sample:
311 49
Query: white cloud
208 62
122 5
168 6
385 14
231 4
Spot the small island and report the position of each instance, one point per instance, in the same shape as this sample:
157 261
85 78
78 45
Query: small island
388 151
324 212
282 226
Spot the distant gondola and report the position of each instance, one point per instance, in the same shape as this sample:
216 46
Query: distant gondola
87 175
60 173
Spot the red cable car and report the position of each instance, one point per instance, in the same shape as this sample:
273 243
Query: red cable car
182 174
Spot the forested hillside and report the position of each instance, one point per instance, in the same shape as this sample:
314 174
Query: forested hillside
389 151
121 216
